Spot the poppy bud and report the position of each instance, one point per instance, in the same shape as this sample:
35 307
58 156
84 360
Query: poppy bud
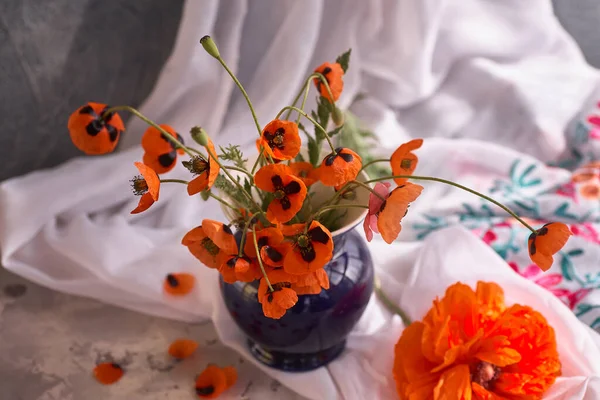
349 194
199 135
210 46
337 116
205 195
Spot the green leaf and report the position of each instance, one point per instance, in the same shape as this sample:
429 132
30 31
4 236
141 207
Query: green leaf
344 60
232 192
336 131
234 154
324 110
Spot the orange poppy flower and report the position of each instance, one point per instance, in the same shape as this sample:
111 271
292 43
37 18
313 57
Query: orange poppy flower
182 348
253 273
211 243
310 251
213 381
583 176
341 168
160 152
311 283
394 208
91 134
179 284
108 373
280 139
265 237
471 345
546 242
274 255
591 191
334 74
276 303
404 161
207 171
289 191
233 266
147 185
305 172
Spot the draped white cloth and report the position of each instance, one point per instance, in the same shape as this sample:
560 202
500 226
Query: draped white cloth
502 76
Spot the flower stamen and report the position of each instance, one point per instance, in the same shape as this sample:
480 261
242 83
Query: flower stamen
139 185
485 374
196 165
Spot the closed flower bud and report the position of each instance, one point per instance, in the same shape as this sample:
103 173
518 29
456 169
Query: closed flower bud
199 135
337 116
210 46
205 195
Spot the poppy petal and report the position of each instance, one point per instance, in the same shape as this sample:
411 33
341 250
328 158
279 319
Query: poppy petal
403 161
154 142
281 140
546 242
198 184
145 202
340 168
455 383
108 373
182 348
221 235
305 172
263 179
211 383
179 284
213 166
334 74
271 236
394 209
161 163
151 178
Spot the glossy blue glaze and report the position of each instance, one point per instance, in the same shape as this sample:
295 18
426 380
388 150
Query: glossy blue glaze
313 332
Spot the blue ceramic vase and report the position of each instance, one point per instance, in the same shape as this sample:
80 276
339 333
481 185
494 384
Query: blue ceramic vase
314 331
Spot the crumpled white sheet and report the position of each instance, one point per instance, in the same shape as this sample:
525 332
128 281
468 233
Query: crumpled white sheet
502 72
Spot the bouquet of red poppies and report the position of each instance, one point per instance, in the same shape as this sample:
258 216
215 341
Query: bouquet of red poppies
285 236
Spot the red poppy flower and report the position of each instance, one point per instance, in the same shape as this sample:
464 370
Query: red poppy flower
204 248
182 348
310 251
546 242
280 139
108 373
334 74
213 381
265 237
179 284
160 151
394 208
340 168
276 303
207 171
375 203
305 172
234 266
404 161
94 135
147 185
311 283
289 191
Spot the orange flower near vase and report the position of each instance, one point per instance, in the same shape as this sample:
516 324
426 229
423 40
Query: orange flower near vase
470 345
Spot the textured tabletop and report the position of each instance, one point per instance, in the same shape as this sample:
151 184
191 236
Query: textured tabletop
50 342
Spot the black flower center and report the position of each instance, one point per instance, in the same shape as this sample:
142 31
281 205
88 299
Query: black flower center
205 391
196 165
172 281
282 192
95 126
139 185
210 246
276 139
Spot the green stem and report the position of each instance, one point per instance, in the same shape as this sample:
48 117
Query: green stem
306 87
451 183
373 162
241 170
174 181
315 123
239 85
260 263
222 201
389 303
369 188
151 123
243 239
333 207
231 178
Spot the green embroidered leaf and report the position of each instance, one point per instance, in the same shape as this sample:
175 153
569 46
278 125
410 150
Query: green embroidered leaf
566 267
575 252
344 60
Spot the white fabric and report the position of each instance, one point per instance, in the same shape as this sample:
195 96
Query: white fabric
503 72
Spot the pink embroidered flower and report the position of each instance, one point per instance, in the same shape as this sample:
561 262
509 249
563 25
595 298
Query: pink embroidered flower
547 281
568 190
489 237
574 298
586 231
375 203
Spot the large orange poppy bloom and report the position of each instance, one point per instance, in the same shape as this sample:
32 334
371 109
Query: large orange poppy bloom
147 185
394 208
160 152
202 243
340 168
306 172
289 191
271 236
207 171
281 140
310 251
91 134
404 161
334 74
213 381
233 267
470 345
276 303
546 242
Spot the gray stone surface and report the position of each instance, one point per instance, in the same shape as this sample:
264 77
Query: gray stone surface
50 342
